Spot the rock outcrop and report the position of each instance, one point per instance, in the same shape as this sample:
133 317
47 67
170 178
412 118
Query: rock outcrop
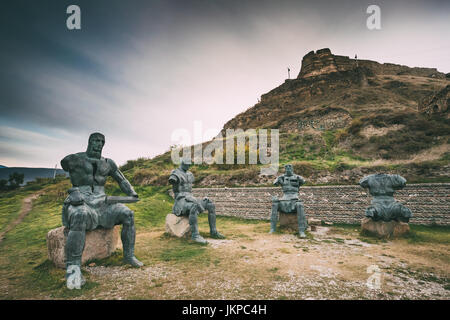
323 61
438 103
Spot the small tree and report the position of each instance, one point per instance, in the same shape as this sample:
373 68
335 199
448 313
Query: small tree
3 184
16 179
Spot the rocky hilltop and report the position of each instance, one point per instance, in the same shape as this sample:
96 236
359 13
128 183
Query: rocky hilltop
340 119
323 61
342 84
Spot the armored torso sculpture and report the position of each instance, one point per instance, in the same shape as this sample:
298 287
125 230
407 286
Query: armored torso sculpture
383 206
186 204
290 202
87 206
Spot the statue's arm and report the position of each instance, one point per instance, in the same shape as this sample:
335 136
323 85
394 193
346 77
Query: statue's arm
364 182
75 197
301 180
278 180
398 182
117 175
65 163
173 179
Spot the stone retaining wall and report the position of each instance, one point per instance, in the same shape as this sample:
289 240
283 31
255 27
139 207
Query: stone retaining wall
429 202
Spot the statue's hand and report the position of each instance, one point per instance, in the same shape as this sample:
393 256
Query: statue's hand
75 197
134 194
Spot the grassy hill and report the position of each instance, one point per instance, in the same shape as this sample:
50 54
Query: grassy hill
337 126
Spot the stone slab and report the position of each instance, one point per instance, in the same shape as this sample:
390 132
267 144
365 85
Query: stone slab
289 221
178 226
100 244
383 229
314 222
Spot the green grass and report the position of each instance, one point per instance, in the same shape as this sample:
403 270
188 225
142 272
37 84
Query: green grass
429 234
24 251
24 262
10 205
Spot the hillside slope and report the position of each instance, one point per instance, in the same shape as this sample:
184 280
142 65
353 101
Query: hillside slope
338 120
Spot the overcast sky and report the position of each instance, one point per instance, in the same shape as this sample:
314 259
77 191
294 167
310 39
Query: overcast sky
138 70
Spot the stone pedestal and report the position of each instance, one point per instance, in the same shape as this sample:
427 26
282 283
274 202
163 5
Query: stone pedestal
288 221
100 244
178 226
382 229
314 222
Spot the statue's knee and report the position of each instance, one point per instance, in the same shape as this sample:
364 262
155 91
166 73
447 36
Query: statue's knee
78 219
371 212
275 202
210 206
194 211
406 212
207 204
193 216
128 216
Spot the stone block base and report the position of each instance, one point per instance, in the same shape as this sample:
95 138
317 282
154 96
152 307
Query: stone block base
178 226
288 221
382 229
314 222
100 244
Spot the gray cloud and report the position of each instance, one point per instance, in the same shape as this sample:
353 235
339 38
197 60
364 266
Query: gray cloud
140 69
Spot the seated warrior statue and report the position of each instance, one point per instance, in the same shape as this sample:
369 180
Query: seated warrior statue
290 202
186 205
383 206
87 207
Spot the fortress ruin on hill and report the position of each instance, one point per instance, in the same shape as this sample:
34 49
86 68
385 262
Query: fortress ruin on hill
323 61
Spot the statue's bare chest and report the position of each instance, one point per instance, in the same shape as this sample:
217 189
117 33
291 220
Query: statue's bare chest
84 166
290 182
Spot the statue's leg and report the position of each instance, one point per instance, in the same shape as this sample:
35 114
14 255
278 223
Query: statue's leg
301 217
125 217
404 213
209 205
193 222
371 213
75 246
274 215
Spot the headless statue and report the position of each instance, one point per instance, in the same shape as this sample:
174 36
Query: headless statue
383 206
290 202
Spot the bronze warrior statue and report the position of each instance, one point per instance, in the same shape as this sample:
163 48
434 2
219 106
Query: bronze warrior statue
383 206
182 180
87 207
290 202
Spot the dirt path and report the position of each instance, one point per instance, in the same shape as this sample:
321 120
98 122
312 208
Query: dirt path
27 205
251 264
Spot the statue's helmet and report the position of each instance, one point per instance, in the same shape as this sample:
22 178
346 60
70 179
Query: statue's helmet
289 169
185 163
